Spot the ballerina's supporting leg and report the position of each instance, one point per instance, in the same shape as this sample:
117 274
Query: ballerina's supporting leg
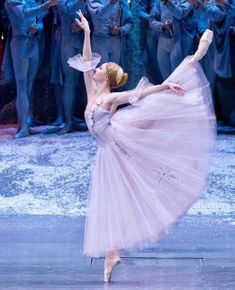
203 46
112 259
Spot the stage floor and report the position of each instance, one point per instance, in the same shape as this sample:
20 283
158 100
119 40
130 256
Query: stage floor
43 188
45 252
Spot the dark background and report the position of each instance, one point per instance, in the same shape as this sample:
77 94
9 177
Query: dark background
44 100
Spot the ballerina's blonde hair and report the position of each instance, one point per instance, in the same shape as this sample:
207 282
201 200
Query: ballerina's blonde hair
116 76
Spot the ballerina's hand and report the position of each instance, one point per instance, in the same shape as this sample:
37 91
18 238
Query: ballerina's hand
83 23
176 88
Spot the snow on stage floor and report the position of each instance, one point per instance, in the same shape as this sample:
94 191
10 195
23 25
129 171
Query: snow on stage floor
44 174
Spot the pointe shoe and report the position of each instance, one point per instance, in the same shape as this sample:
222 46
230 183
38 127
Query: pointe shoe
110 263
203 46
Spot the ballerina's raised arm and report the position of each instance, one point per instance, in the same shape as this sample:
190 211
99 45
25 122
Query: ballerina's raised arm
117 98
86 54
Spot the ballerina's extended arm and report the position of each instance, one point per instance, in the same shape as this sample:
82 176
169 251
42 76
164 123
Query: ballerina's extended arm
86 53
117 99
120 98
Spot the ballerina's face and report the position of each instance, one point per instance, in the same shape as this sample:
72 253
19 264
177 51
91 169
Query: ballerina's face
100 73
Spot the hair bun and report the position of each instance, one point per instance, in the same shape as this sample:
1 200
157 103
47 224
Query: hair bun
115 72
123 80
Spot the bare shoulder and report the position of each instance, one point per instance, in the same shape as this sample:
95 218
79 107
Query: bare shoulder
106 102
109 102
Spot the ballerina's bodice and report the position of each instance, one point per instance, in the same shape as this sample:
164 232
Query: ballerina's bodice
98 122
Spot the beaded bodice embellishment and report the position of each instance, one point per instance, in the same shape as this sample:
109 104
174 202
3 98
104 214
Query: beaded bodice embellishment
91 119
90 113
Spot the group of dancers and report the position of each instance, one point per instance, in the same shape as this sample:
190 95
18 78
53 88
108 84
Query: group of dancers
170 30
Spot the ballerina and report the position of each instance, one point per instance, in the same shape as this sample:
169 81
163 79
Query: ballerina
153 155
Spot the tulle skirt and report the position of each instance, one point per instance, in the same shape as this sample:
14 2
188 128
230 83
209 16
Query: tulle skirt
153 166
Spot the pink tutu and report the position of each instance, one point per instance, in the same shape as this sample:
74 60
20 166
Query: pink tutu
151 164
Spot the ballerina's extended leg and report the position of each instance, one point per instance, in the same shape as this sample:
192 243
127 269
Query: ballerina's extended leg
203 46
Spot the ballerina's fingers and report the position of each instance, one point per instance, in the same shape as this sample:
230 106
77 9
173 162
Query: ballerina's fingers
80 14
177 88
82 21
180 89
79 22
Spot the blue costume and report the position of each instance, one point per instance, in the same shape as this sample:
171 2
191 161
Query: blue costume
56 72
23 15
42 35
232 49
231 10
220 17
149 41
203 23
71 44
177 42
55 60
219 23
109 44
230 7
227 100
